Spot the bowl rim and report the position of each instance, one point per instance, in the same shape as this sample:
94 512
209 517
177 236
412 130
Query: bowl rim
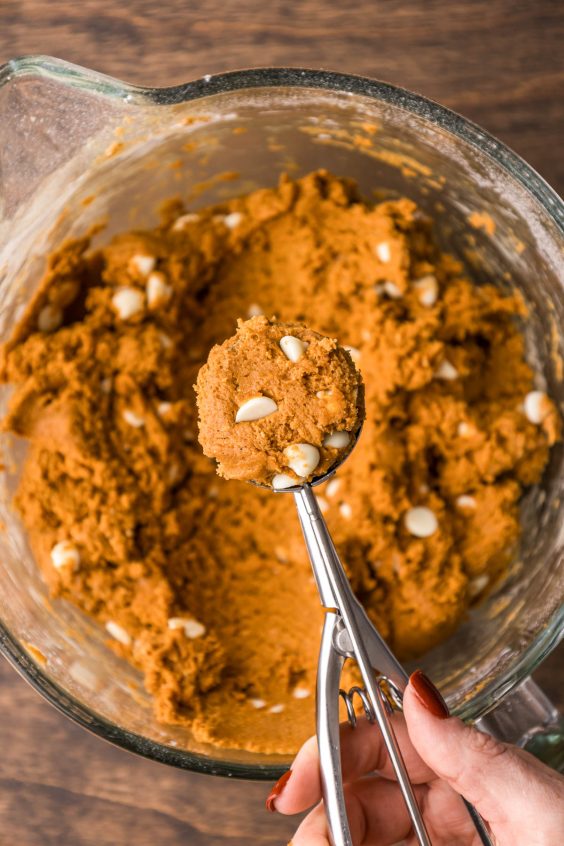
220 84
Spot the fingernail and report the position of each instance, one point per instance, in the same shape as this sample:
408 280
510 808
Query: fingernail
277 790
428 695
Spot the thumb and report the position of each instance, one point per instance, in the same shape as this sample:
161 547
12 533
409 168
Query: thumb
502 783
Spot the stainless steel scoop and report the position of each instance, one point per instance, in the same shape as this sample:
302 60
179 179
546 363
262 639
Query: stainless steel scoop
348 633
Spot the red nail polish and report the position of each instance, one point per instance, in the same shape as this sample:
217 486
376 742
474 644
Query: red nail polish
428 695
277 790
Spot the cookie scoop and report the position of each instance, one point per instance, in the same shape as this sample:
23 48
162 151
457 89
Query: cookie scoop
282 406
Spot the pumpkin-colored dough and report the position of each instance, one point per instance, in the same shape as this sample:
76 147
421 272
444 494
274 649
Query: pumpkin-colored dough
122 478
316 391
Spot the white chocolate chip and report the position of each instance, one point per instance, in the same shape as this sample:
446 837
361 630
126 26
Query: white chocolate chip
280 554
353 352
118 633
301 693
163 408
281 481
333 487
132 418
183 221
255 409
257 703
466 502
383 252
302 458
49 319
176 622
292 347
478 584
536 407
323 504
158 291
427 289
192 628
345 510
324 394
392 290
65 554
446 371
143 264
254 310
337 440
465 430
276 709
232 220
421 522
128 302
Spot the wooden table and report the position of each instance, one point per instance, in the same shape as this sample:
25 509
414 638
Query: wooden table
496 61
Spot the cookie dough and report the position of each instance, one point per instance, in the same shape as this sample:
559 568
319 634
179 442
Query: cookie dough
193 576
279 404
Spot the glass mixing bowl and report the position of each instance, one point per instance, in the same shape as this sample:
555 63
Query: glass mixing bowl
76 147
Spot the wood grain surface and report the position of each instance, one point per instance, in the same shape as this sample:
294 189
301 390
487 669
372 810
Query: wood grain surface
496 61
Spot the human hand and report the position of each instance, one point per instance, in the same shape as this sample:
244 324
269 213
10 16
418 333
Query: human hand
520 799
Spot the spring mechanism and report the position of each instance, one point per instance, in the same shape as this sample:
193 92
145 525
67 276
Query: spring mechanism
391 696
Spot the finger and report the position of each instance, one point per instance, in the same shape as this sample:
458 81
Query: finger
362 751
314 830
376 813
303 789
489 774
385 817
